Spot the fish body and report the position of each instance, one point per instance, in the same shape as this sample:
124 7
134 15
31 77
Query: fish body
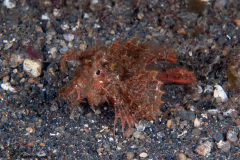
120 75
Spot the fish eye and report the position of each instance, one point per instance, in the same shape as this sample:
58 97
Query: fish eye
98 72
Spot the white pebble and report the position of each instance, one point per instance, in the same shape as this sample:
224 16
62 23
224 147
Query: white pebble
56 12
9 3
197 122
7 46
45 17
53 51
94 1
96 25
190 53
5 41
213 111
143 155
204 149
68 37
86 16
220 144
7 86
41 154
229 112
220 93
64 27
33 68
140 127
200 90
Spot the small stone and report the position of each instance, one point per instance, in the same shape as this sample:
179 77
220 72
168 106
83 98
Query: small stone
96 26
106 147
237 21
160 135
112 32
141 125
108 42
100 150
141 137
6 79
220 4
143 155
209 96
196 96
220 144
68 37
42 144
111 139
53 52
63 50
56 12
225 51
226 146
218 137
190 53
140 15
41 154
197 122
33 68
229 112
148 36
181 156
29 129
220 117
196 132
86 16
83 46
64 27
130 155
16 60
9 4
220 93
39 29
204 149
200 89
181 31
208 89
186 115
45 17
136 134
4 119
60 129
129 132
180 135
119 146
15 71
213 111
94 1
2 147
169 123
8 46
7 86
53 108
183 124
232 136
237 121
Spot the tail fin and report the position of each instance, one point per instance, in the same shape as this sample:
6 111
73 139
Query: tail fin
177 75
